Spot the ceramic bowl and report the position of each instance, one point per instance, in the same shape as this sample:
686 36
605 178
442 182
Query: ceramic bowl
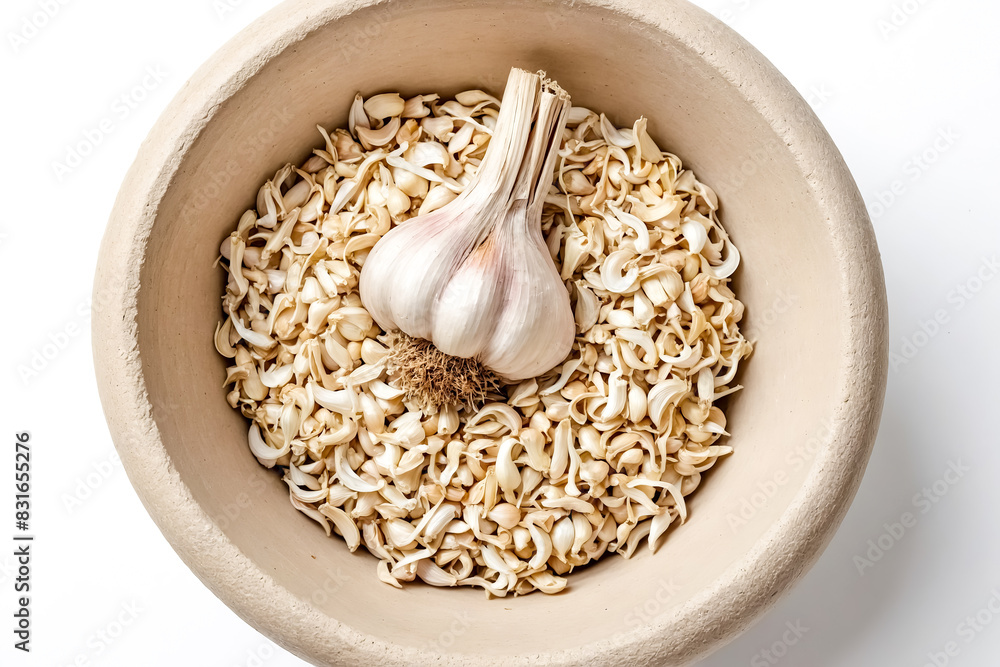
811 280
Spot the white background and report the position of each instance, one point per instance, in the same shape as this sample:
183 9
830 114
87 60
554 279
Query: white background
909 92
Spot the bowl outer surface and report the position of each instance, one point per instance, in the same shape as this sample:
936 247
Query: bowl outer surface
811 279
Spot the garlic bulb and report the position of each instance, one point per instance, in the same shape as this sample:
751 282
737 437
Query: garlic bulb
474 277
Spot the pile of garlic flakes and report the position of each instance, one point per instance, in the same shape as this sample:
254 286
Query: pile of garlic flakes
595 456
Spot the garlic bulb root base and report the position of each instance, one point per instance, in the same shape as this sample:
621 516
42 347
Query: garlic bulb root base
431 379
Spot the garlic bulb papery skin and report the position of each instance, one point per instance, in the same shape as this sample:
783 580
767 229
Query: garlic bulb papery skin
475 277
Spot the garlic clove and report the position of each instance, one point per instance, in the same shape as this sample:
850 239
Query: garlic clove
588 308
384 106
614 136
408 250
439 127
380 137
695 235
409 183
474 98
437 198
426 153
648 149
611 272
266 454
563 536
578 115
466 309
414 107
728 266
344 525
456 109
357 118
578 184
397 202
276 376
375 194
508 476
433 575
505 515
296 195
461 138
661 397
535 330
543 547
